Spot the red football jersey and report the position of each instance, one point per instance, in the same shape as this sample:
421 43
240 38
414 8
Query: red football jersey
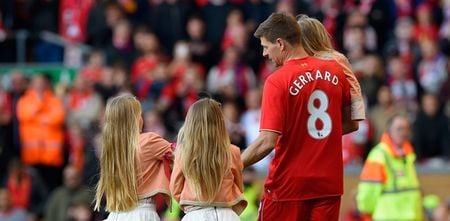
303 101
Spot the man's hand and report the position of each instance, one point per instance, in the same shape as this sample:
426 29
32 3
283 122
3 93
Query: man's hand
260 148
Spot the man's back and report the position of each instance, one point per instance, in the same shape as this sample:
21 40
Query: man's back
303 101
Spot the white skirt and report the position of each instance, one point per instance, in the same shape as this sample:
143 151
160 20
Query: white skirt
210 214
143 212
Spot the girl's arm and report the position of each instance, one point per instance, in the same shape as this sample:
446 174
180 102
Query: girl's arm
176 181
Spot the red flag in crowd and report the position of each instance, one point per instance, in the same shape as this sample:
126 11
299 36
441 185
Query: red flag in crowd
73 16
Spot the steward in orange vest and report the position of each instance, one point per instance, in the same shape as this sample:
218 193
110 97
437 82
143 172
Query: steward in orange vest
41 118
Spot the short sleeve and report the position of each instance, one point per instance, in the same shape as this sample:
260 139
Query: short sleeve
237 167
357 102
154 146
272 108
176 180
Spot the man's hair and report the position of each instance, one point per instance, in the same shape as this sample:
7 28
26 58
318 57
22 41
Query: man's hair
280 25
393 118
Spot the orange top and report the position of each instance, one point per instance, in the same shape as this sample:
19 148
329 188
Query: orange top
357 101
152 178
41 128
229 194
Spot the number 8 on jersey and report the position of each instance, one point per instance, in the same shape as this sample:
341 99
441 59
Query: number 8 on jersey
318 113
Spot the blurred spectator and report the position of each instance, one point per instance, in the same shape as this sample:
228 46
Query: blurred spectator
184 86
431 130
106 87
41 118
62 197
7 212
232 124
230 78
402 43
19 84
95 64
432 70
356 19
332 15
99 22
27 189
182 64
370 74
169 21
76 145
404 8
200 49
80 210
266 69
383 110
389 187
355 43
82 103
248 48
235 19
121 48
403 87
149 72
153 123
147 44
286 6
250 124
121 78
154 83
425 28
251 116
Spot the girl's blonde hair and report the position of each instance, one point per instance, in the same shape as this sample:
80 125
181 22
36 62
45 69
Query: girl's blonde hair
118 160
315 38
204 148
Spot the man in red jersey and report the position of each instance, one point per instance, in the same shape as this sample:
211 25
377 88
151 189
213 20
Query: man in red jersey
305 110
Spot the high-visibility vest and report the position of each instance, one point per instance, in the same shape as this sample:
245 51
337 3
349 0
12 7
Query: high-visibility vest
41 129
251 211
397 196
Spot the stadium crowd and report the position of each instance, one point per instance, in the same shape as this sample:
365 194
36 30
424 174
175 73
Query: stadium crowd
166 52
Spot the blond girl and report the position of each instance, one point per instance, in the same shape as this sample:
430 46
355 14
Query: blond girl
131 164
316 42
207 174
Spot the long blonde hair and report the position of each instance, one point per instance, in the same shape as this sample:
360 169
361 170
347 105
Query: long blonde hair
204 148
315 38
118 160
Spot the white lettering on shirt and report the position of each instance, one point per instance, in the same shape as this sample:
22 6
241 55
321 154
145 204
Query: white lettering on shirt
297 84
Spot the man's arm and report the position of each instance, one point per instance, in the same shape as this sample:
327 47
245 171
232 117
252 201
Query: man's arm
260 148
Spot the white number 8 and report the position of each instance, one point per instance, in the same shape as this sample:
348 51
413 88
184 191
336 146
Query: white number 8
319 113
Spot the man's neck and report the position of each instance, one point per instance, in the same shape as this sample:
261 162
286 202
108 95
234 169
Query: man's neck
296 53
